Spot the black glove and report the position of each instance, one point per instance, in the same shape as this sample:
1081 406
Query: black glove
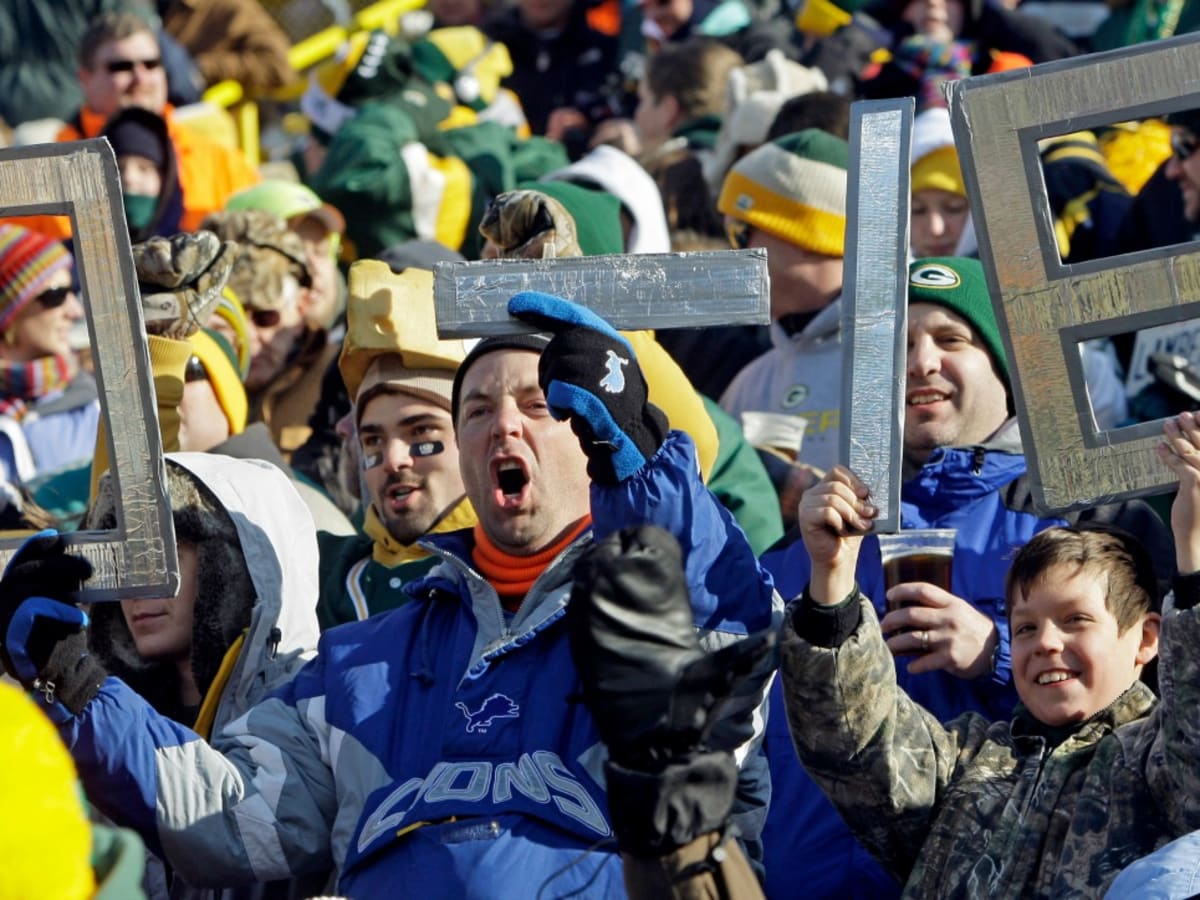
654 694
590 374
44 633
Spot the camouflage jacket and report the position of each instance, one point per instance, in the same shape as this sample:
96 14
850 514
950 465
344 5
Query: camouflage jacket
993 809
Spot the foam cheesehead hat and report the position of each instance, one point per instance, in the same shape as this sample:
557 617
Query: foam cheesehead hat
28 261
391 343
958 284
793 188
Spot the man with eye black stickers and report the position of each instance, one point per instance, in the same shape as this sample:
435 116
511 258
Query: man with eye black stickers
404 440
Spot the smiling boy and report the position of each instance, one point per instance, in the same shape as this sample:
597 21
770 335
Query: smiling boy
1082 619
1089 775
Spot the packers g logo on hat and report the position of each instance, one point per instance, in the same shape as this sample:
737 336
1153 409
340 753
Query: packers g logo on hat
935 276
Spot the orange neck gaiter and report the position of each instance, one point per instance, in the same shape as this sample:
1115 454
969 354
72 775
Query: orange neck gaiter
513 576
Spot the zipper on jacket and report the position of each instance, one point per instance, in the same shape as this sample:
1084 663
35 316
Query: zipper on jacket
274 639
980 456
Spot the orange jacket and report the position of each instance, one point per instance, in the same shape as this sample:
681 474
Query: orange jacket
208 172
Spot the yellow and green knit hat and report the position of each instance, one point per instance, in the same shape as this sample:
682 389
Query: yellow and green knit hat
793 188
220 363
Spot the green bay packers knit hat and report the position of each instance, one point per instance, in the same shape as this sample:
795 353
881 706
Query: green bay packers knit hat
958 284
793 188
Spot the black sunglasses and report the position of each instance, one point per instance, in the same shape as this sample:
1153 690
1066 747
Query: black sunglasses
53 298
113 66
1183 145
264 318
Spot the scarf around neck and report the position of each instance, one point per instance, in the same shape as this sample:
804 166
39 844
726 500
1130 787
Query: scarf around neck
513 576
22 384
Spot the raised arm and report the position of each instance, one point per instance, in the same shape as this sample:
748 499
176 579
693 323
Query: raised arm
1173 759
880 758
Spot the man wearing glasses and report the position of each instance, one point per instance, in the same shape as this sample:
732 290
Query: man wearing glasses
120 65
1184 165
789 198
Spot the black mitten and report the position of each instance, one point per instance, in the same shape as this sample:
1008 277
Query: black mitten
654 693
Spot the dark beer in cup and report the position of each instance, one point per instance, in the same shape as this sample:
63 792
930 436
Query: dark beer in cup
917 554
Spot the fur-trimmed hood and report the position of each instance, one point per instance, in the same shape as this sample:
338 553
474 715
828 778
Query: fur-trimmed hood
277 541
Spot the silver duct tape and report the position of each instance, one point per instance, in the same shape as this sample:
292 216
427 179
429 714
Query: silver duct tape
80 179
1045 307
874 304
632 292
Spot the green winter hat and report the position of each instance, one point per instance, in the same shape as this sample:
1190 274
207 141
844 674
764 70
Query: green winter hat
958 284
369 67
794 188
597 215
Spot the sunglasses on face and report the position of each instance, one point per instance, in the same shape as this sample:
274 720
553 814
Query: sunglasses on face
264 318
114 66
54 297
1183 145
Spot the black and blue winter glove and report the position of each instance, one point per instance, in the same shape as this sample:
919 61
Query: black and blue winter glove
44 633
590 375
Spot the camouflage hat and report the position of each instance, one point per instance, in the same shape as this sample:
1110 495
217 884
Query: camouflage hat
268 253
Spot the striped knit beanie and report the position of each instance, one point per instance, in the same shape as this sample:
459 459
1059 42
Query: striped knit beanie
221 368
935 158
27 262
793 188
958 284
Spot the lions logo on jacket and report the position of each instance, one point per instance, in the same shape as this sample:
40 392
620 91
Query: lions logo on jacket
497 706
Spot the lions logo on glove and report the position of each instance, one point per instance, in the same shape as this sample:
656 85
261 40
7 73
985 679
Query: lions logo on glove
614 380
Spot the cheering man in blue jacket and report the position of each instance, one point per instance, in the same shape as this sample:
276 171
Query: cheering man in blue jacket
440 749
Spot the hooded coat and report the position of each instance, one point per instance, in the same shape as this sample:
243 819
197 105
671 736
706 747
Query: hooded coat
243 646
254 625
360 760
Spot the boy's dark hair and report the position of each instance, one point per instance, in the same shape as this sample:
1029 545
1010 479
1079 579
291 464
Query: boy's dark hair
818 109
1132 589
108 27
694 72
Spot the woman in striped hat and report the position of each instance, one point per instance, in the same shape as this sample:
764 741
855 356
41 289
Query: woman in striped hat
48 408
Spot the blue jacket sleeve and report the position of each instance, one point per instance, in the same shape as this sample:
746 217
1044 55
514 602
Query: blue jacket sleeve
730 591
257 805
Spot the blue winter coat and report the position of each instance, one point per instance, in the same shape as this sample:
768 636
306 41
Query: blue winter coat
440 749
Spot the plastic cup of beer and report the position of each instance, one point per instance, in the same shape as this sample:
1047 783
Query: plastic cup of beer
917 554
